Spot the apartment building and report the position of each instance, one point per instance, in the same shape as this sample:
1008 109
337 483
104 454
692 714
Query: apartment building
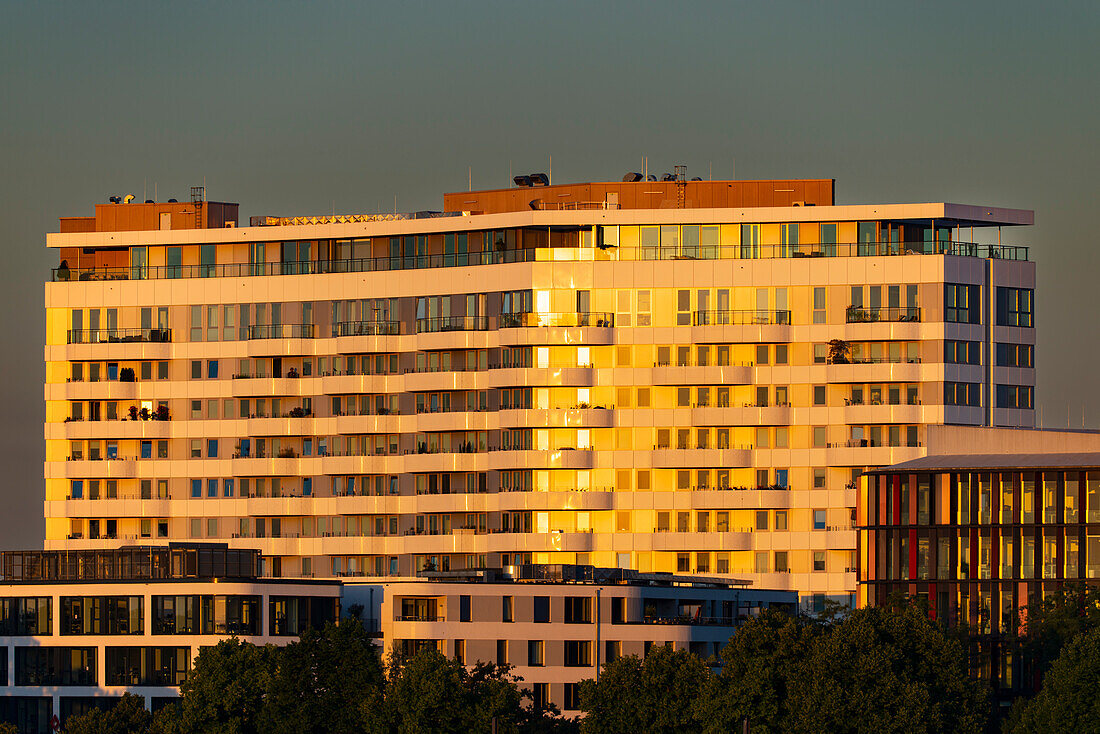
985 523
80 628
558 625
666 376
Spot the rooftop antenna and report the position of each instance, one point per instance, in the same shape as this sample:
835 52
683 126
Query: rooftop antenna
470 172
551 169
712 170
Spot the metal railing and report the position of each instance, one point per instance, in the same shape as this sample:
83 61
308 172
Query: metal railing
864 314
492 257
103 336
366 328
586 318
296 267
281 331
452 323
746 317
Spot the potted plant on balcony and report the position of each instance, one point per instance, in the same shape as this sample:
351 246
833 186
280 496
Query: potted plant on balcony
839 351
162 413
126 374
133 412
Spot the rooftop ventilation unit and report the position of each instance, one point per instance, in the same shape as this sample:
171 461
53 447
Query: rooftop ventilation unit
149 201
632 177
651 177
173 201
668 177
696 178
539 179
114 199
128 199
522 180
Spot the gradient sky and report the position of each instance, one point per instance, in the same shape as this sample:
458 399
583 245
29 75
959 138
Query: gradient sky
303 108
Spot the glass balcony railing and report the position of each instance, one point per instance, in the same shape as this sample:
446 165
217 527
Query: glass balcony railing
494 257
452 323
519 320
366 328
863 315
281 331
103 336
747 317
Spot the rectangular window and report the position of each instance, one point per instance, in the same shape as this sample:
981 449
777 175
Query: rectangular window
1015 396
962 393
962 352
962 303
578 653
1015 307
541 612
819 519
1015 355
536 653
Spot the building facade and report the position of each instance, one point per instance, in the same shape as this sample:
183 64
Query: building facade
986 523
675 376
80 628
558 625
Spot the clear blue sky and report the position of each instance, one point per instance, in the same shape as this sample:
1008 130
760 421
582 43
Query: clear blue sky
299 108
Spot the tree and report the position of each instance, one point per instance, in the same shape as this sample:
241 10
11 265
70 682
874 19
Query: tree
757 667
885 670
325 682
1068 701
656 694
839 351
429 692
6 727
127 716
224 692
1048 623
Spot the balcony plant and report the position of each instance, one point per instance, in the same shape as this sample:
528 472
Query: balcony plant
126 374
839 351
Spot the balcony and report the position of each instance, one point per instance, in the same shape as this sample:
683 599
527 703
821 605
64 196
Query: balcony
366 328
598 320
741 318
862 315
281 331
439 324
118 336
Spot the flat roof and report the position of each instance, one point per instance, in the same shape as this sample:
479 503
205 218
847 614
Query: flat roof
1005 462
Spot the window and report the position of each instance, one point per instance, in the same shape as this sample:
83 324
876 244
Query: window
212 448
578 610
541 612
780 519
819 298
961 352
1015 355
819 478
502 652
1015 307
819 560
761 562
761 519
781 354
196 369
572 700
578 653
820 436
962 393
1015 396
821 353
819 519
212 368
536 653
781 562
962 303
507 613
196 488
460 651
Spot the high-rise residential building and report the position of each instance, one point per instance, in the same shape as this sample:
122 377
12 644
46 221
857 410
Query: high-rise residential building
670 376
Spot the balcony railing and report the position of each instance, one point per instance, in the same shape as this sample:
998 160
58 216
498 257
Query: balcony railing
864 315
745 317
281 331
104 336
366 328
452 323
298 267
518 320
451 260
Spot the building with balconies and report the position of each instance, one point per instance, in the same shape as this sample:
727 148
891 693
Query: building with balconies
674 376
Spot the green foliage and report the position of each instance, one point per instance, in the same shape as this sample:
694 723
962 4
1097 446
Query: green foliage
225 691
656 694
1050 622
1068 701
757 666
7 727
885 670
429 692
127 716
326 682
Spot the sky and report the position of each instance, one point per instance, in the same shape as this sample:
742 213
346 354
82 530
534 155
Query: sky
309 108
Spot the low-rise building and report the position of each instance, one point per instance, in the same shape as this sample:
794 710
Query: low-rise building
988 521
559 624
80 628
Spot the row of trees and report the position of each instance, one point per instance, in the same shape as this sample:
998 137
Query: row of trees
883 669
